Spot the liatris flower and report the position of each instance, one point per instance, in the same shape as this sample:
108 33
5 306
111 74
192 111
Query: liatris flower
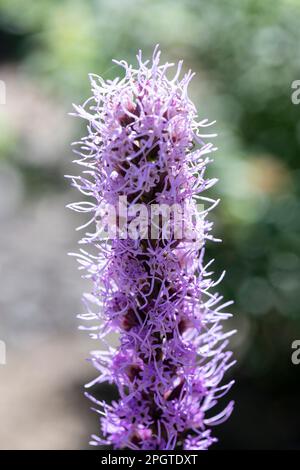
145 145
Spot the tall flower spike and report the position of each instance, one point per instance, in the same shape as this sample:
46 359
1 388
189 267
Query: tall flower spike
145 145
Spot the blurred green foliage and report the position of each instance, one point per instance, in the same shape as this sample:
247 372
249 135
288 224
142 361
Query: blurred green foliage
246 55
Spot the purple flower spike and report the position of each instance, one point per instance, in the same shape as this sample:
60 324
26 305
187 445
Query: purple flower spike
144 148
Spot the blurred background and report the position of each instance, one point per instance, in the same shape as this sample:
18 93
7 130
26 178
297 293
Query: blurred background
246 56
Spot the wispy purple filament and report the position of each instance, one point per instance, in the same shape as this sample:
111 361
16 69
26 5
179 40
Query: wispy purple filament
144 143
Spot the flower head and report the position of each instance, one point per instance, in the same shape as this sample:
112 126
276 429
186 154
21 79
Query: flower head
145 143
